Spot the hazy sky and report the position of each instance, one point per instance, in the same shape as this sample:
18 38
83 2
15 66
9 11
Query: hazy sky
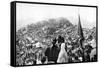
32 13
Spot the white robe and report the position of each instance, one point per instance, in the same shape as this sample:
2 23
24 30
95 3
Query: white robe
38 61
62 57
93 52
38 44
93 43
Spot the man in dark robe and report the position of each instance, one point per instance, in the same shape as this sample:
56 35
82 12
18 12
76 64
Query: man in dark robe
52 53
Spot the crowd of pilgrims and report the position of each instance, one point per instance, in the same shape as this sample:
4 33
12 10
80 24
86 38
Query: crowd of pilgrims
65 51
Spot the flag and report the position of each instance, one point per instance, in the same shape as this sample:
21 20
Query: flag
80 34
80 31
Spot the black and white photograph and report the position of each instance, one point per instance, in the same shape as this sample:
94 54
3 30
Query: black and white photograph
55 34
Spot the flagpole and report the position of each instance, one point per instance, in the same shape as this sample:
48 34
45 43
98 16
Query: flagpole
80 34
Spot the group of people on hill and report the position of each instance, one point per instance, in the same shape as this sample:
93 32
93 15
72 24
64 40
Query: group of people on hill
63 50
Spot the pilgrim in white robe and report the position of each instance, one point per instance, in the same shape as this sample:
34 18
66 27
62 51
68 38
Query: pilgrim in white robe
62 57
